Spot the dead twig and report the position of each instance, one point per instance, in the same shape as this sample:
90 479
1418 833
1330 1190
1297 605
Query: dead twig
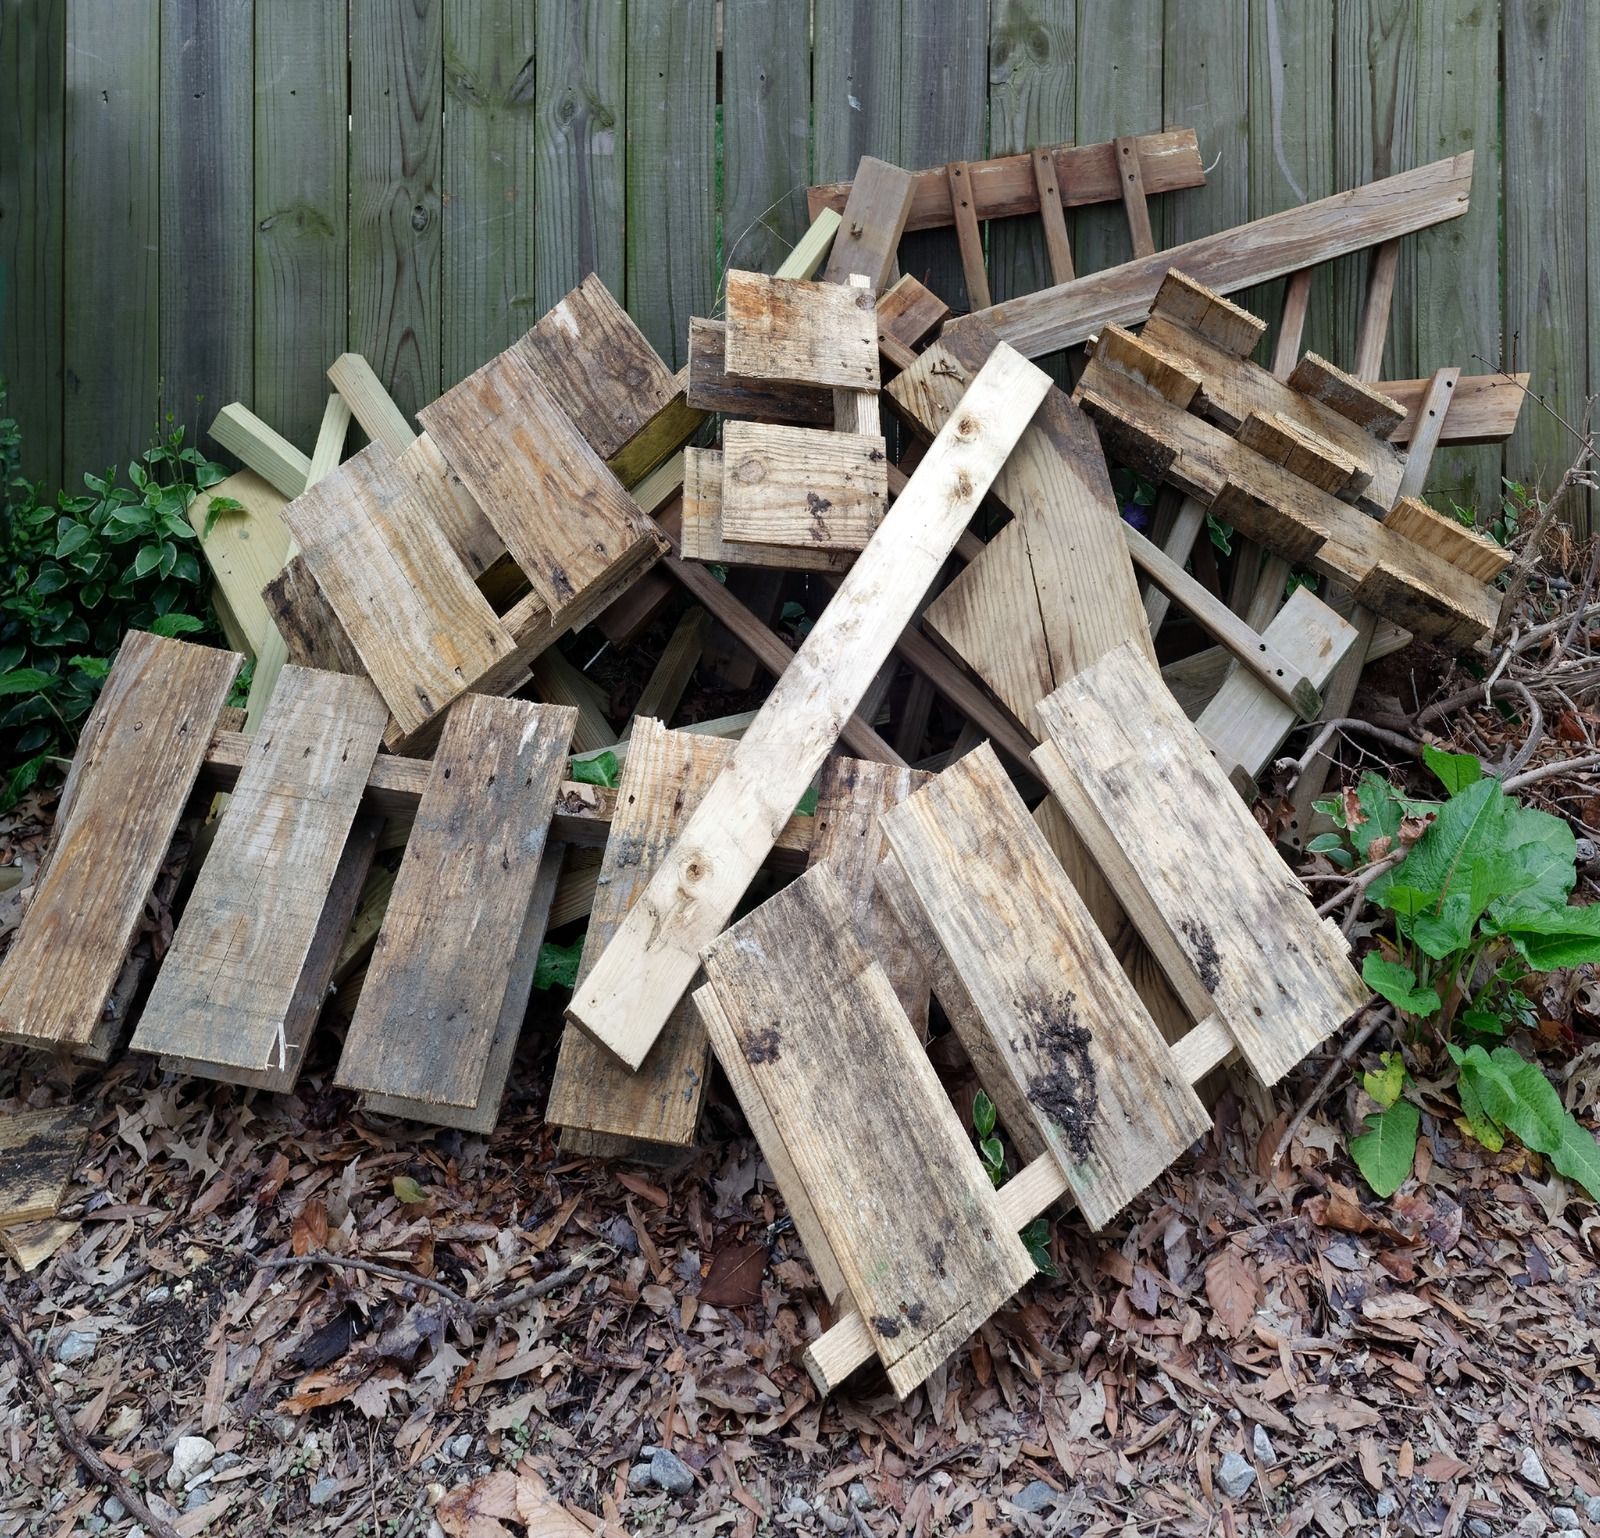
96 1466
1351 1047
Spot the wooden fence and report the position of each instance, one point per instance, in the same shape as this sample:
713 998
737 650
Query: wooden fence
207 200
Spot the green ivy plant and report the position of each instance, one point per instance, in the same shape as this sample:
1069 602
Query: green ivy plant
1036 1236
1479 907
75 575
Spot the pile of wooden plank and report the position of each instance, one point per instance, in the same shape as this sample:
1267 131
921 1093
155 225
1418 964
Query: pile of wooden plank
1074 881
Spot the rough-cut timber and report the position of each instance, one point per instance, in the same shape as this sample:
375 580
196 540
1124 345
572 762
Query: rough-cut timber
1225 916
1102 1087
801 332
1058 317
229 997
908 1213
802 486
137 761
700 534
445 970
649 963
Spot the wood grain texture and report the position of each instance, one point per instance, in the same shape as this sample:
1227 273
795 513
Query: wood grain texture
802 486
446 961
713 388
1105 1094
667 775
564 517
39 1154
919 1237
423 632
872 222
301 206
137 761
1144 793
654 955
1266 248
229 990
396 162
801 332
701 536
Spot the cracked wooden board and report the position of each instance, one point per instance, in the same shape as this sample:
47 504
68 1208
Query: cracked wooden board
907 1210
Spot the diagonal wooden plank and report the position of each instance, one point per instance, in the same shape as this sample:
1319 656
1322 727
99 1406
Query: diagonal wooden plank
440 977
649 963
137 761
907 1210
228 993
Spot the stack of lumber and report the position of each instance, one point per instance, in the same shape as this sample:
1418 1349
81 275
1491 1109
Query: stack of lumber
1074 881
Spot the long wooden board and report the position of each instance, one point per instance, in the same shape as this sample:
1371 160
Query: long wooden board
1221 911
1058 317
228 993
649 963
441 975
908 1213
136 764
1105 1093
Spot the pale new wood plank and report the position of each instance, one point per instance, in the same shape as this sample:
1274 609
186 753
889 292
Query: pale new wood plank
801 332
666 776
872 221
1236 933
1102 1087
39 1153
423 631
438 983
228 993
801 486
563 515
136 763
649 963
919 1236
1253 253
700 535
713 388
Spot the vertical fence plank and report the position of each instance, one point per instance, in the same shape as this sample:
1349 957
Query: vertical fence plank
1546 214
1375 54
581 57
855 85
488 183
1032 101
112 232
1205 65
1454 271
301 209
672 148
1291 136
766 111
207 154
943 113
1119 92
33 77
396 109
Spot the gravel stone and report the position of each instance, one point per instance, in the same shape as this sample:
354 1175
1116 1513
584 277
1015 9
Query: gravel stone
671 1473
1236 1475
1034 1497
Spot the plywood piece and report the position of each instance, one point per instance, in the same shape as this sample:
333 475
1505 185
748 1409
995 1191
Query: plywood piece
801 332
713 388
873 220
649 963
563 515
1464 547
1367 407
443 970
918 1235
701 539
423 631
1226 917
803 487
1103 1089
229 990
137 761
39 1154
666 776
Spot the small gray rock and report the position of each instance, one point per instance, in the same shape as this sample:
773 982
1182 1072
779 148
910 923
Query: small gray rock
671 1473
1262 1444
860 1496
114 1510
1387 1505
1533 1471
1235 1476
459 1447
1034 1497
323 1491
639 1477
76 1346
1566 1519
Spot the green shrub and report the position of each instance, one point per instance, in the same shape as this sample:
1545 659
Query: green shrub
75 576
